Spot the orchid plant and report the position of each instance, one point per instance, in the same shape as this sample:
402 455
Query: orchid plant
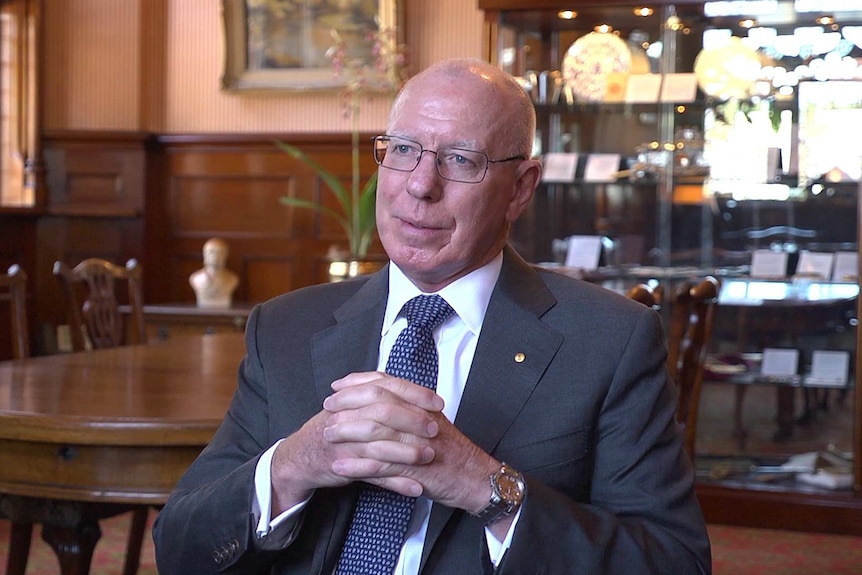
384 75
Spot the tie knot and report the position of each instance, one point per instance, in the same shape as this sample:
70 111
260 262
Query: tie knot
426 311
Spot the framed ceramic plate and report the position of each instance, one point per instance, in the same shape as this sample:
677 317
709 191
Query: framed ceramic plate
591 60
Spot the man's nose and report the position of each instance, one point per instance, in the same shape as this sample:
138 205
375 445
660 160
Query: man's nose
425 179
432 165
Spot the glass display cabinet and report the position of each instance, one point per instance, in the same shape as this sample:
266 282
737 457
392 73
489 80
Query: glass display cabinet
718 138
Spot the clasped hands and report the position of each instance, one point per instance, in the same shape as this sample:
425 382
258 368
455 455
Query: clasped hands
385 431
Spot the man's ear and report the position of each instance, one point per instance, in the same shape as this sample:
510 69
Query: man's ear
528 175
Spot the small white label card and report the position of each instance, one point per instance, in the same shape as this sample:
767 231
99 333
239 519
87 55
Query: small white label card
846 268
815 264
679 88
642 88
768 264
559 167
779 362
829 367
602 167
584 252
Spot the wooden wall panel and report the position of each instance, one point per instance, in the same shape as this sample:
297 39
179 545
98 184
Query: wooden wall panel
99 189
118 195
228 205
96 173
230 187
268 277
100 185
72 238
17 246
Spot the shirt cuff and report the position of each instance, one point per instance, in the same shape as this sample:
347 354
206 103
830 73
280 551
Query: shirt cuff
497 548
262 503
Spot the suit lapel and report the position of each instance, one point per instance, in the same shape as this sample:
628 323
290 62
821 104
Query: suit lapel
353 343
513 351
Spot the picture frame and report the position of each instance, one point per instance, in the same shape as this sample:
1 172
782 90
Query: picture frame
280 45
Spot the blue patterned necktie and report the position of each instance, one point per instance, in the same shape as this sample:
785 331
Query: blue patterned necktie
381 516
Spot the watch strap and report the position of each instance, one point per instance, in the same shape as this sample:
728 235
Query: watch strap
498 507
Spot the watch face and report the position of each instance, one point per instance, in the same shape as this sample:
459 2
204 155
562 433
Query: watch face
510 487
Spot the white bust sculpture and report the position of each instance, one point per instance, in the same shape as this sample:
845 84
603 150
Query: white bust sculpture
214 284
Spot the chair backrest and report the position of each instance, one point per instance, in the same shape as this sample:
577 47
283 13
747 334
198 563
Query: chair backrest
647 295
14 283
90 299
692 315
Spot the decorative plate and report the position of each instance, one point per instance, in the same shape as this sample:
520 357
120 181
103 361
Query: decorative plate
590 60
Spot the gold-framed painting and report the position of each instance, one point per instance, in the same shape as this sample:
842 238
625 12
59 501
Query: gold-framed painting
283 44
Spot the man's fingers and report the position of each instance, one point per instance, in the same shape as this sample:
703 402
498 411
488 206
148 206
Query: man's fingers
356 378
402 485
380 422
365 388
384 459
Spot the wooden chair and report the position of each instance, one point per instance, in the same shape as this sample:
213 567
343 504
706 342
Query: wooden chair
92 310
14 285
692 315
647 295
95 322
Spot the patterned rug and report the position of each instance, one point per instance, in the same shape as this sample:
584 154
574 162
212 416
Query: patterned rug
745 551
736 551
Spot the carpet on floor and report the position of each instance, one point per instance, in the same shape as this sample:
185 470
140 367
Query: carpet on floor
735 551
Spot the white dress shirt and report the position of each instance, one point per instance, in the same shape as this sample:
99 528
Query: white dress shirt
456 341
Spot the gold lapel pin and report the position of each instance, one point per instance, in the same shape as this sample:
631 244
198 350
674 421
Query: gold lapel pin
520 357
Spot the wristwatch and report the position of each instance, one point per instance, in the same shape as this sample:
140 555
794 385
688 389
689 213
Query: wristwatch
508 490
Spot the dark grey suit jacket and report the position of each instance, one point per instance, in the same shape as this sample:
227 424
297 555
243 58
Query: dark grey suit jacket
588 417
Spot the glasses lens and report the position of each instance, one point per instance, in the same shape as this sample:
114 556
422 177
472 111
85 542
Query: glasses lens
456 164
461 165
397 153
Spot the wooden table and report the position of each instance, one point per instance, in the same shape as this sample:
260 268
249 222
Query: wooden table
84 436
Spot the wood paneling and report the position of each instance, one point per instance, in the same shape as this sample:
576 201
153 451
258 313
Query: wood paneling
230 187
96 173
17 246
118 195
198 205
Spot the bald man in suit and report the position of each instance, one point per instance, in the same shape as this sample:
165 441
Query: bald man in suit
549 445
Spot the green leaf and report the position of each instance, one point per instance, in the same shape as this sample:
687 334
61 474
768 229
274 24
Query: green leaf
359 226
308 204
367 214
331 181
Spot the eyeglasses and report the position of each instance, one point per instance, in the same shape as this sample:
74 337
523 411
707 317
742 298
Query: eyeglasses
454 164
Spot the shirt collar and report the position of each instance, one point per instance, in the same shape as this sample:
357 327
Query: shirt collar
469 296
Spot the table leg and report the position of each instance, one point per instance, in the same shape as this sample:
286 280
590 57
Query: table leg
19 548
739 431
786 408
73 546
137 532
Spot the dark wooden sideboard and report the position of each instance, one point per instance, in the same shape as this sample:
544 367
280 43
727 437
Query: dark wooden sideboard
165 321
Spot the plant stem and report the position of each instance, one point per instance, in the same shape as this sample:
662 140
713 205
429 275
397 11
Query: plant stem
354 188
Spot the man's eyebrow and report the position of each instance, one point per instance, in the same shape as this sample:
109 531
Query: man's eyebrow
472 145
